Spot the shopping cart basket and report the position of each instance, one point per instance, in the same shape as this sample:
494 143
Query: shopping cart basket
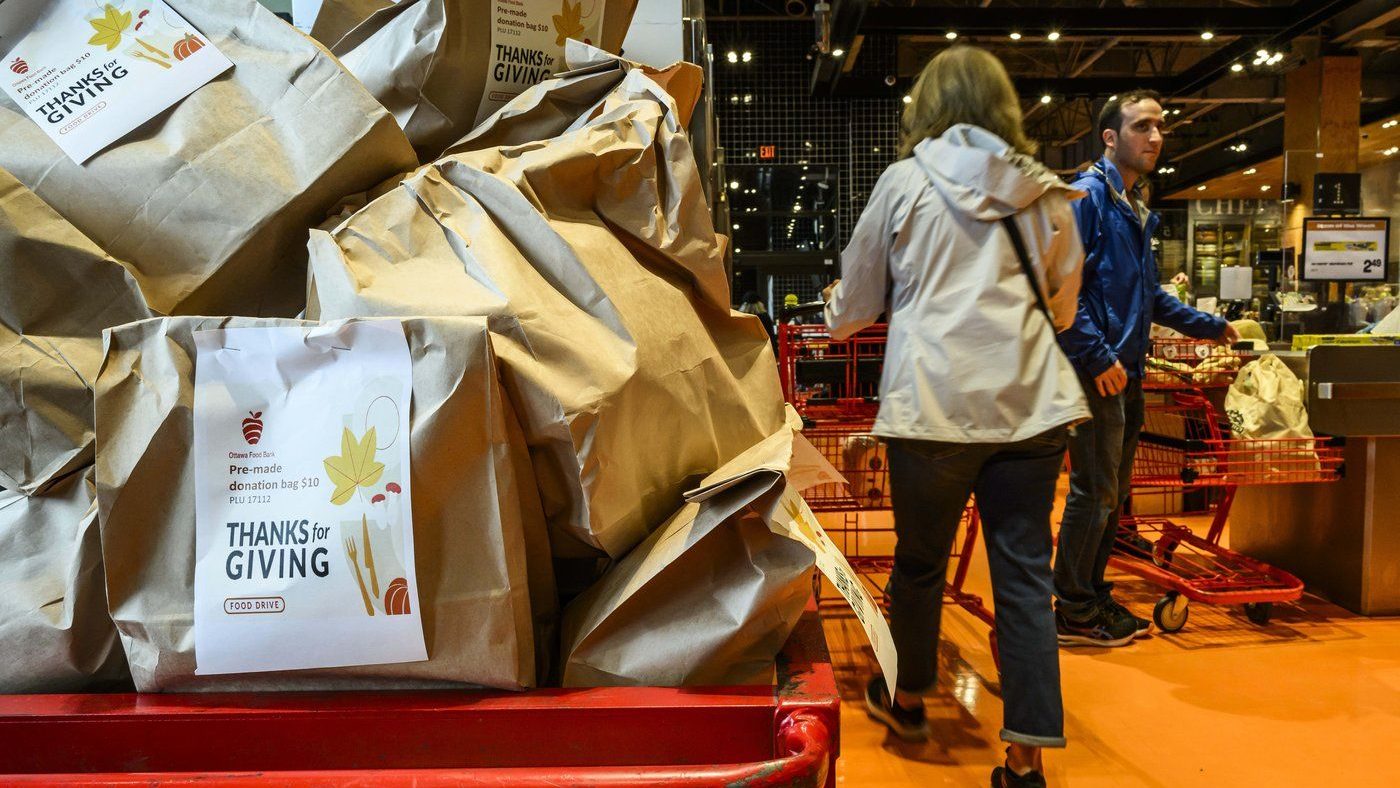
1193 365
1185 446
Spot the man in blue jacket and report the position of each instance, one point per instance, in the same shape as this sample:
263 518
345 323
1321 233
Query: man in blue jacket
1119 301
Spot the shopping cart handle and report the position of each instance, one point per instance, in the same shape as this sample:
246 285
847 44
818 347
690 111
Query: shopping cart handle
809 308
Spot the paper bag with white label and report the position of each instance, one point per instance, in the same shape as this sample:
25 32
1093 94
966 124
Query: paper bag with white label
632 375
313 527
712 596
55 633
60 291
444 66
210 200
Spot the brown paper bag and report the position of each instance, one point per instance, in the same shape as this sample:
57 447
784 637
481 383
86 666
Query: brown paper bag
476 520
209 202
335 18
709 598
631 374
60 291
55 633
439 67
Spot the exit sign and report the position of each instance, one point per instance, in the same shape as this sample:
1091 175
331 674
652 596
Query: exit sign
767 151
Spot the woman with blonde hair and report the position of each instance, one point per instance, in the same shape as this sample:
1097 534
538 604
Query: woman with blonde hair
970 249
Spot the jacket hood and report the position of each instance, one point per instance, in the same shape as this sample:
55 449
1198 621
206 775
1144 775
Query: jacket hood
980 174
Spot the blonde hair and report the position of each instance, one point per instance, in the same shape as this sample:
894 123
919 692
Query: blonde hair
963 84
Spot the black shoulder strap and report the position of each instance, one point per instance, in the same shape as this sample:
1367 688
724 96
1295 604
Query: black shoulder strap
1015 232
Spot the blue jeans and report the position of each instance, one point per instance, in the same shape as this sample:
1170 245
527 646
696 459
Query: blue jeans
930 483
1101 467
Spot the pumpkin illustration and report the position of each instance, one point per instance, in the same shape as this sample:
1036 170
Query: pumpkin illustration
396 597
187 46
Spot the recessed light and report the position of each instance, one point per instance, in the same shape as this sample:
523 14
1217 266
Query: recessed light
1015 36
732 56
1201 188
1264 188
1390 124
908 99
1207 35
1237 67
951 35
1251 171
1114 97
1046 99
874 150
747 57
1262 54
733 184
838 52
736 225
1053 36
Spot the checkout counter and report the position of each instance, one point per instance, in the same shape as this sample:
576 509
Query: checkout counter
1343 538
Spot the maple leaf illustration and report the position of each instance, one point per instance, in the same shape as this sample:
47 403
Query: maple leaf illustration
110 27
566 22
355 467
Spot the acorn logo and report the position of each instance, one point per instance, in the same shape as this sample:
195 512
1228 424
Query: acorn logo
19 66
253 428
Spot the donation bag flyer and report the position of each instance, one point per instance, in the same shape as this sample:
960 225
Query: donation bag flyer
304 528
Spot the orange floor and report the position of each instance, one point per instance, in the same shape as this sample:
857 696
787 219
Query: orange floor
1311 700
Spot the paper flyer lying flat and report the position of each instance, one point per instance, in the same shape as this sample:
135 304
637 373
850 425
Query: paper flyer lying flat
90 72
304 529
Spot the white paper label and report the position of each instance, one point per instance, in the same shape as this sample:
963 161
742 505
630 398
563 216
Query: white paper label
89 72
1345 249
527 44
797 521
304 530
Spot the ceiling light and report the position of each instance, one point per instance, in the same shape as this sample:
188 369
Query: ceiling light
1264 188
1390 124
1251 171
1015 36
874 150
1319 154
1054 36
747 56
1207 35
1237 67
736 225
733 184
1046 99
1275 58
1262 54
732 56
748 98
1114 97
1391 151
838 52
908 99
951 35
1201 188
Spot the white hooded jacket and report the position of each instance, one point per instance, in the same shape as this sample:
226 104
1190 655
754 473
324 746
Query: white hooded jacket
970 356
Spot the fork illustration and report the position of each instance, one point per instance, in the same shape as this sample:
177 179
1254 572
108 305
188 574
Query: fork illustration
359 578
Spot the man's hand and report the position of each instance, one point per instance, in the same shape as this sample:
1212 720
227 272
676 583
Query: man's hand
1112 381
1229 337
826 291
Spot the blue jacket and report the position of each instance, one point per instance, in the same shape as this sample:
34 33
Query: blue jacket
1120 298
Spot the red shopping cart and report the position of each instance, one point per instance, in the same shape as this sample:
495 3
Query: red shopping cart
1193 365
1185 446
834 385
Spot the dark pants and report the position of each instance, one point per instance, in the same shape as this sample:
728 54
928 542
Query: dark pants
930 483
1101 467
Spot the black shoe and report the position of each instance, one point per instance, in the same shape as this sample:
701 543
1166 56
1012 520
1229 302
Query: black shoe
1003 777
907 724
1101 630
1141 626
1134 545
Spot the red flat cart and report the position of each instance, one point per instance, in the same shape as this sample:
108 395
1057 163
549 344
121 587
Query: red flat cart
1187 448
785 734
834 385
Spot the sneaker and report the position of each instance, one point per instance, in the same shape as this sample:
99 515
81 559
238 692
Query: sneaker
1141 626
908 724
1101 630
1003 777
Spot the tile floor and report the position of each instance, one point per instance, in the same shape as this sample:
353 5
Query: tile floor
1313 699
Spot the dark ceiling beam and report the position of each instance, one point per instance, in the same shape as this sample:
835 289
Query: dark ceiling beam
1036 21
846 20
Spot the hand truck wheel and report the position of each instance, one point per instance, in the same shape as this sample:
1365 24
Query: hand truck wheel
1259 612
1171 612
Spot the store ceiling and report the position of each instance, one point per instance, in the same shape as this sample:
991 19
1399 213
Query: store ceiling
1219 97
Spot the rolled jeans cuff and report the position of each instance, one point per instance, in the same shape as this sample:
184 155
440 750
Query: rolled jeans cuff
1012 737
